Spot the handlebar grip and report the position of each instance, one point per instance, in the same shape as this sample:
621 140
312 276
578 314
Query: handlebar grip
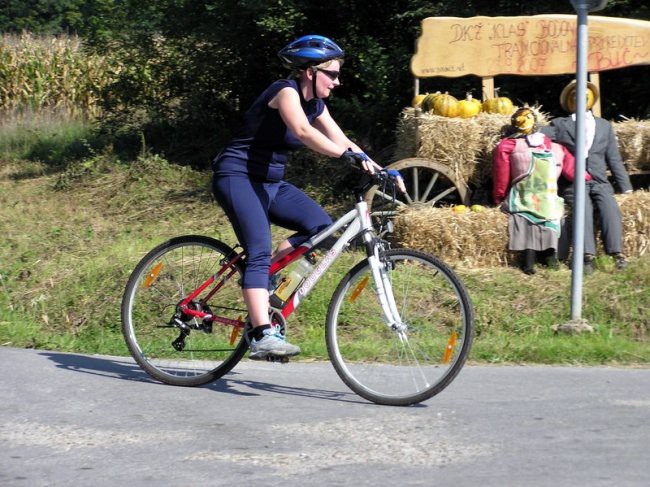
355 159
388 175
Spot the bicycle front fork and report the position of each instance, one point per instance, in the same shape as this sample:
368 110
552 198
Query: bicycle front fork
380 270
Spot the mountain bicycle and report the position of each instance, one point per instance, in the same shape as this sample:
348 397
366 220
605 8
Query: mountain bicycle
398 330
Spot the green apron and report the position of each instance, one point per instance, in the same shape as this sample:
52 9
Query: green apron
535 196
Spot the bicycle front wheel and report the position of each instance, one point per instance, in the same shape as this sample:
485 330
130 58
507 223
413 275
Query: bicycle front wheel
173 347
407 364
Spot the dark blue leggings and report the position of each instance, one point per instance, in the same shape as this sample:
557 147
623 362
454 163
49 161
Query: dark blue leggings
252 206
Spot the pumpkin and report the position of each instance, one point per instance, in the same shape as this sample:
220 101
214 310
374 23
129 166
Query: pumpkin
459 209
501 105
469 107
427 102
445 105
477 208
417 100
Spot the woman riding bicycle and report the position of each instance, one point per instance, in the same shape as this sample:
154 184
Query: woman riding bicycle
248 173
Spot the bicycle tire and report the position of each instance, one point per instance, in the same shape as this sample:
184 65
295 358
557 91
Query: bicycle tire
372 358
159 282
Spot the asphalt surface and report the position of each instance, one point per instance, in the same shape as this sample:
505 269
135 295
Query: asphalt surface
68 419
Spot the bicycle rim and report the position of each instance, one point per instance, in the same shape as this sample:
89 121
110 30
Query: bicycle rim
160 281
390 367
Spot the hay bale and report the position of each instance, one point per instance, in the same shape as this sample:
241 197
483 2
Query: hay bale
634 142
635 208
466 145
473 239
493 128
463 144
480 239
454 142
406 135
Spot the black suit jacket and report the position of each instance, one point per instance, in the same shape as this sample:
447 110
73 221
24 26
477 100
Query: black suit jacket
602 155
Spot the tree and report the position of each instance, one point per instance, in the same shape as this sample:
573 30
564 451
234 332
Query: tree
193 65
41 16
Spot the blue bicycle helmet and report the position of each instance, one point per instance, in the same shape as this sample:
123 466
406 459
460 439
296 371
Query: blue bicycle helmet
309 50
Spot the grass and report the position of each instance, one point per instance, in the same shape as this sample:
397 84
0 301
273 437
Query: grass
72 236
46 136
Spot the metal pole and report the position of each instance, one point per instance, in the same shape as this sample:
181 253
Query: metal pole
579 182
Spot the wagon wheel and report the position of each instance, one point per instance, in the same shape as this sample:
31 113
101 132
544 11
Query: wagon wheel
428 183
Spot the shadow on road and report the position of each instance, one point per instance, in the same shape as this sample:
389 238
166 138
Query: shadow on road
101 366
329 395
126 370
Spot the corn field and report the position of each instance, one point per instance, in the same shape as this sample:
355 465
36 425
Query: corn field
52 73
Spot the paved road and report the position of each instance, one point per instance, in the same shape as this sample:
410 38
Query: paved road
68 420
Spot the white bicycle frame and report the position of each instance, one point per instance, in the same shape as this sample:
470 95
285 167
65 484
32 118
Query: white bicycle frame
358 222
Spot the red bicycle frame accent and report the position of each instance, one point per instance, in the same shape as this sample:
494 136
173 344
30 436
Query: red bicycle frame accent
353 227
223 275
229 269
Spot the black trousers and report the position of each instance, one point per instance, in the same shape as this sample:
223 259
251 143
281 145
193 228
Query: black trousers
598 196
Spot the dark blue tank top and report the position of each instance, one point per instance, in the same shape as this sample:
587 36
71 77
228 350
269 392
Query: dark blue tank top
262 143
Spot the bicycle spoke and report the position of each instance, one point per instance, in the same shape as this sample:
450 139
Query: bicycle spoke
407 365
152 325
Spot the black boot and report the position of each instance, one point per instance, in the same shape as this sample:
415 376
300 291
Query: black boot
589 266
620 261
550 259
528 266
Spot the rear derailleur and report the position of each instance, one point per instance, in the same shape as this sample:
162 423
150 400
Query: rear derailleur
187 322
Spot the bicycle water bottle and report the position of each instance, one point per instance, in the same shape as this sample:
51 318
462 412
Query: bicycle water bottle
290 282
275 281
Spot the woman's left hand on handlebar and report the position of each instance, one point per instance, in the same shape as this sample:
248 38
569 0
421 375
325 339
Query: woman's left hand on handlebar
370 166
362 160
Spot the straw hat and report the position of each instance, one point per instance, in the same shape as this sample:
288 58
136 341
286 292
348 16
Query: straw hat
568 96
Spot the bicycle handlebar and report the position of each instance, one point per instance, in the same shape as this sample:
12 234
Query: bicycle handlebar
386 175
382 177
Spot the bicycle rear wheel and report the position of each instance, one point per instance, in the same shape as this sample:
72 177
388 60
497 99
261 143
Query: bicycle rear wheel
173 347
389 366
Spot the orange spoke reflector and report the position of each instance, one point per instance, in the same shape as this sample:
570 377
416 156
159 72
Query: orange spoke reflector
449 349
153 274
234 334
360 287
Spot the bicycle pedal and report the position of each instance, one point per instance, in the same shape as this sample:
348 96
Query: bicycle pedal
277 359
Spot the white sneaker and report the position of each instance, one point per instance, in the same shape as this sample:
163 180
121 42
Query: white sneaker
272 344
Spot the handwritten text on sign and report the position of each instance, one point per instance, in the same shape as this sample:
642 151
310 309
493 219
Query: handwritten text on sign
536 45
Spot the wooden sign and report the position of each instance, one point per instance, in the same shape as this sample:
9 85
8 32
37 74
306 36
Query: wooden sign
535 45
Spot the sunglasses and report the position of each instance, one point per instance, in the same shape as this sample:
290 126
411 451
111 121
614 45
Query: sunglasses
330 74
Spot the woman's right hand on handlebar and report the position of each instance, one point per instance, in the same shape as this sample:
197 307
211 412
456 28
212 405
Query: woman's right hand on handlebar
394 173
